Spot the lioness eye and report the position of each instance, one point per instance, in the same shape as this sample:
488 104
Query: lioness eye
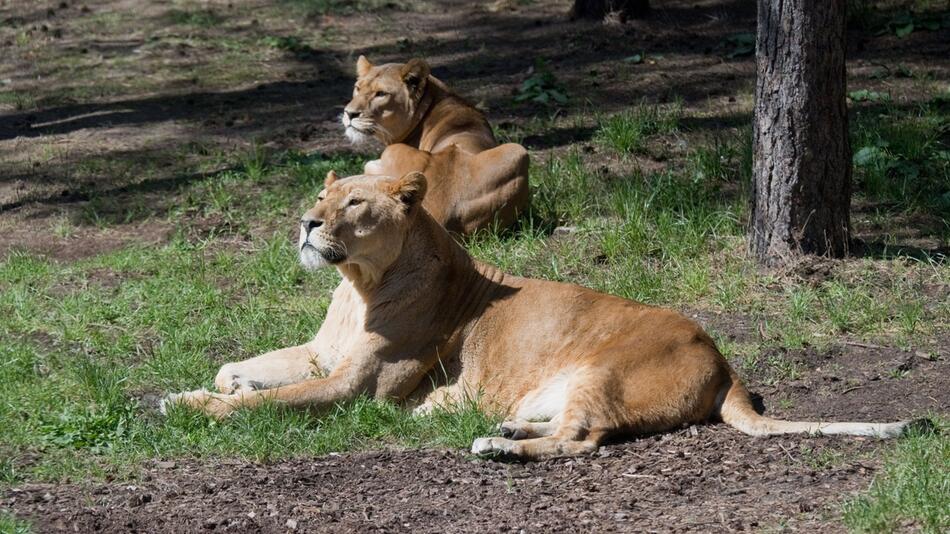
380 94
355 202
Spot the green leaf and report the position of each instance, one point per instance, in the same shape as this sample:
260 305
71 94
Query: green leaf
636 58
905 30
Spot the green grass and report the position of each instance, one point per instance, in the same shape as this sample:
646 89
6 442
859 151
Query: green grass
912 491
11 525
901 157
629 131
19 100
202 19
80 353
86 344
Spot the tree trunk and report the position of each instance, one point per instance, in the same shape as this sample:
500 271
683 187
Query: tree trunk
802 158
597 9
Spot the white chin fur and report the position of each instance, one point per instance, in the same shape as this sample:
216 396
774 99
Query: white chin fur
359 138
312 260
309 257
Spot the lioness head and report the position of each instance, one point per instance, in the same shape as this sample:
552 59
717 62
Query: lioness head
360 220
385 100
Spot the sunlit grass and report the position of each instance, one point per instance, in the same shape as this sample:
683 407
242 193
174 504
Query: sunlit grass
87 344
911 492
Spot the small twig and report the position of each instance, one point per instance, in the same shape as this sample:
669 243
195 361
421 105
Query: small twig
852 388
790 457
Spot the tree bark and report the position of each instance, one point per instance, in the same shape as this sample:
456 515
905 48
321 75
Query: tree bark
597 9
802 158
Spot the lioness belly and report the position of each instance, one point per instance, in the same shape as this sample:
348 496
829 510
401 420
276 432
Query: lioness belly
547 401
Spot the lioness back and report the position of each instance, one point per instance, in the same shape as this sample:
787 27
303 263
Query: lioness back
426 127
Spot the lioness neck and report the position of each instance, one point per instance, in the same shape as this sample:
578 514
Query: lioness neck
441 114
427 252
432 272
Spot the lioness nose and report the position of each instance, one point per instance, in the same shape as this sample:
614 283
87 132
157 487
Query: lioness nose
310 224
351 114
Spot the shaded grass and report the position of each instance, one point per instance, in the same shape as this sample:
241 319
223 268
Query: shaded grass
901 157
343 7
265 186
201 18
911 492
628 131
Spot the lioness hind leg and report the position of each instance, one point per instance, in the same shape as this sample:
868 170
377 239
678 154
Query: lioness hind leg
537 448
565 435
518 429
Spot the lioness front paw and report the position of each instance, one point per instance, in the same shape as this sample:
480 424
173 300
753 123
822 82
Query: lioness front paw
218 406
492 446
230 380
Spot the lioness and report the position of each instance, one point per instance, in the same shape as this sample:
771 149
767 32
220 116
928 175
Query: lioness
473 182
569 366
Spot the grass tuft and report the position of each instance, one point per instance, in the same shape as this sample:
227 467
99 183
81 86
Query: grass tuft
912 491
201 19
901 157
628 131
9 524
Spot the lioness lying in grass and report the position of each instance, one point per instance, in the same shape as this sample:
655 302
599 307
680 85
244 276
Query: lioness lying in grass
569 366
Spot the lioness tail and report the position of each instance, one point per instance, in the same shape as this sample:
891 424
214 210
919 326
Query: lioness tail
736 410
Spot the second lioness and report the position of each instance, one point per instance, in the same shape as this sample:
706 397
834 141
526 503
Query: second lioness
473 182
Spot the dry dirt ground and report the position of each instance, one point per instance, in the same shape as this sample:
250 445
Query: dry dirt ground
142 120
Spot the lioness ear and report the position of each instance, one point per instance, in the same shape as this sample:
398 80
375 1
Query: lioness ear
362 66
410 189
331 177
414 73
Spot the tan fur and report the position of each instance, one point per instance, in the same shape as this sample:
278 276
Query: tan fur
569 366
473 182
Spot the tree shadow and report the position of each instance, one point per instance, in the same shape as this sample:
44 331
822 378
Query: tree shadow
556 137
485 56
